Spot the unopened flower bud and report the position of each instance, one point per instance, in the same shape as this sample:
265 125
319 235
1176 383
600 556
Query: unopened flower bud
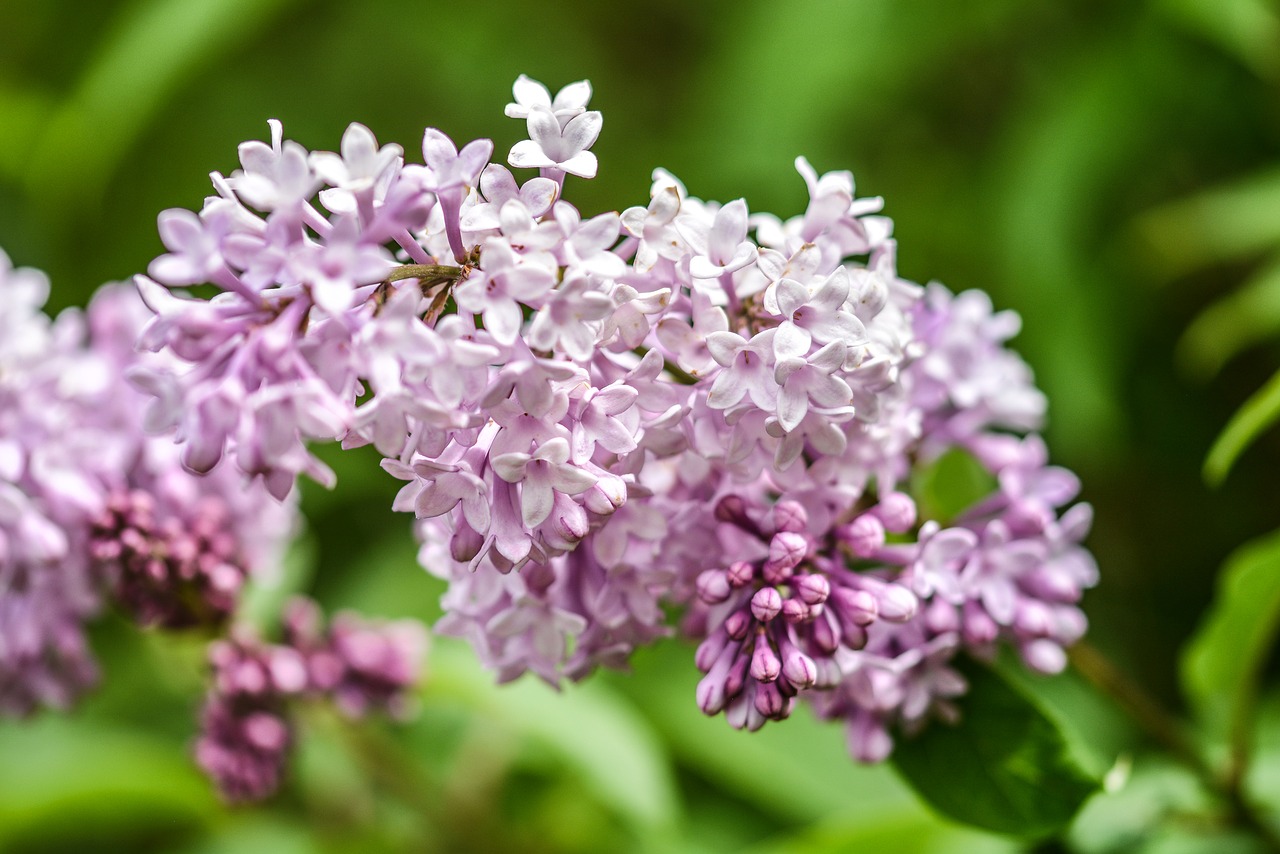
713 586
795 611
786 550
737 623
858 606
941 617
897 511
766 604
812 589
769 701
864 535
1044 656
709 650
826 635
790 516
606 496
978 628
740 573
765 665
732 509
897 604
799 668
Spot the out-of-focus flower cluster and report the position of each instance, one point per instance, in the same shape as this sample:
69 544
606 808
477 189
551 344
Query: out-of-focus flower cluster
93 511
596 416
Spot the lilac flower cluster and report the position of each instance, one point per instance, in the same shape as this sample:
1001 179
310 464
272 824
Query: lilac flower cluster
682 403
247 731
93 511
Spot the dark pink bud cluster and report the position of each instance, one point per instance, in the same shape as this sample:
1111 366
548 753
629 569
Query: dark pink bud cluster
360 666
780 624
167 570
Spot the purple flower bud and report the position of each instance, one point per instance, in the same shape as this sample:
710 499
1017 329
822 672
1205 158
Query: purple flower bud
798 668
897 604
737 676
795 611
864 535
733 509
765 665
858 606
713 586
790 516
1071 625
897 511
766 604
812 589
741 573
826 633
737 623
1051 583
1032 619
786 551
978 629
854 636
1044 656
941 617
265 732
710 693
606 496
770 702
709 650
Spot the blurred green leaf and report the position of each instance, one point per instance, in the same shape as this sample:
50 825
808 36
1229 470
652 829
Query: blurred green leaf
258 832
1226 223
909 833
597 734
1005 767
1248 29
1254 416
1221 664
1159 808
798 770
950 485
1248 316
25 112
113 780
153 49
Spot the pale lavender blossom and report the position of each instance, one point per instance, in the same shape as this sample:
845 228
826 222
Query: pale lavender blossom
598 419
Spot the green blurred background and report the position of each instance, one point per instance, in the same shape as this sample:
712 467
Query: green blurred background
1055 154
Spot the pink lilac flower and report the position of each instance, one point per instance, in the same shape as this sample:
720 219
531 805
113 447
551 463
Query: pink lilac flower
599 418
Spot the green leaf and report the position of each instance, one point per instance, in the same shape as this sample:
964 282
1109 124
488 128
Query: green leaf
150 53
1227 223
1005 767
910 832
797 770
81 782
1248 316
1221 665
1257 413
1249 29
589 726
950 485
